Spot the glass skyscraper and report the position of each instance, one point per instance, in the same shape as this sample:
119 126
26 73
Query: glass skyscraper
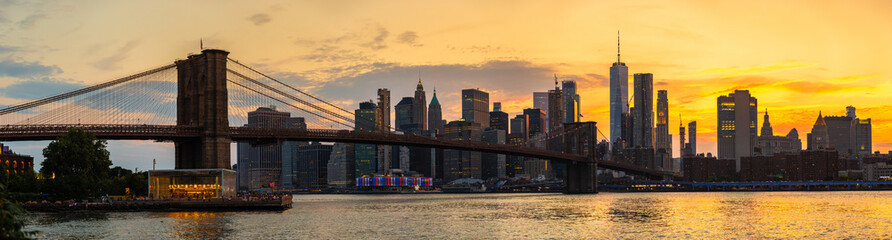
619 96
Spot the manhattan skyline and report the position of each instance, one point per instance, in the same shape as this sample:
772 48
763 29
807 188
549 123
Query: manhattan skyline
796 63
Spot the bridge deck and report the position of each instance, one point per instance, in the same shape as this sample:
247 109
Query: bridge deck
252 134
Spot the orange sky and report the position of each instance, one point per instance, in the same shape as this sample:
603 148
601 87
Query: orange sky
796 57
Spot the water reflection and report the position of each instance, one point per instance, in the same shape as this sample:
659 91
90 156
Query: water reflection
199 225
713 215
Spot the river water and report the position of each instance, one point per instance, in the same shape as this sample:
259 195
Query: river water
707 215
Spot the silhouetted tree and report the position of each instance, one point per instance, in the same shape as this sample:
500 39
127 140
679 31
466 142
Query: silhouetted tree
76 165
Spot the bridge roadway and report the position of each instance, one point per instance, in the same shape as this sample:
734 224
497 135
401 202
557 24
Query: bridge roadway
253 134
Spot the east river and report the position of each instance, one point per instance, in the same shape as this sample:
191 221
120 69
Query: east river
712 215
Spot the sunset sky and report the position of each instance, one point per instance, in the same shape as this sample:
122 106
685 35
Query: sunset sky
795 57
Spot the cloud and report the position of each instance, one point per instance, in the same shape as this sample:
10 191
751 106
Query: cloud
851 79
35 89
260 19
378 42
113 62
410 38
24 69
31 20
8 49
736 71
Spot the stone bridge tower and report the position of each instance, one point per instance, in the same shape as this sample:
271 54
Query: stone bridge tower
202 102
581 138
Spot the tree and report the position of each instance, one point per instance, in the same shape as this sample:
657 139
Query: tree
76 165
10 226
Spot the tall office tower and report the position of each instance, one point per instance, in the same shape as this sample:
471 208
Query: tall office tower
628 127
383 152
863 137
619 96
662 139
536 119
435 120
571 101
520 126
818 137
766 131
405 115
262 168
540 101
383 110
493 164
850 112
691 146
342 166
840 132
420 106
462 164
475 106
555 113
313 165
497 118
644 110
736 125
290 160
366 155
681 141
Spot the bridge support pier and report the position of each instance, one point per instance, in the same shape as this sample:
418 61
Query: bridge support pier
581 139
581 178
202 101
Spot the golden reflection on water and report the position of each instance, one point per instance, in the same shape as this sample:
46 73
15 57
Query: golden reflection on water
199 225
708 215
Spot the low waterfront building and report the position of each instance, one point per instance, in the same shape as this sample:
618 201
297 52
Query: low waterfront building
192 183
15 163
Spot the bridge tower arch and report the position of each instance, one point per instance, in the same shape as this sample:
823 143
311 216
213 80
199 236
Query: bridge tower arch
581 139
202 102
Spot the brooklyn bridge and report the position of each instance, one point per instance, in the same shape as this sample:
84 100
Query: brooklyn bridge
201 103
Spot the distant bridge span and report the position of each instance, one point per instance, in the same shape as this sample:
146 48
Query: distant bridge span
253 134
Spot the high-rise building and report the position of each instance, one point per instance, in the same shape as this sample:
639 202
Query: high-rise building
261 164
420 108
383 152
691 146
736 125
540 101
681 140
462 164
435 120
497 118
818 137
475 106
571 101
536 121
366 155
290 156
662 139
619 96
520 125
555 114
840 132
383 116
850 112
493 164
405 115
644 110
313 165
863 136
342 166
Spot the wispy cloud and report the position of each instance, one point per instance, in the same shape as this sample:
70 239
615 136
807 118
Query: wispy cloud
113 62
736 71
409 38
23 69
260 19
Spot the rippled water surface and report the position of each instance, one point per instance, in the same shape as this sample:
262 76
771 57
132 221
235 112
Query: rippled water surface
742 215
